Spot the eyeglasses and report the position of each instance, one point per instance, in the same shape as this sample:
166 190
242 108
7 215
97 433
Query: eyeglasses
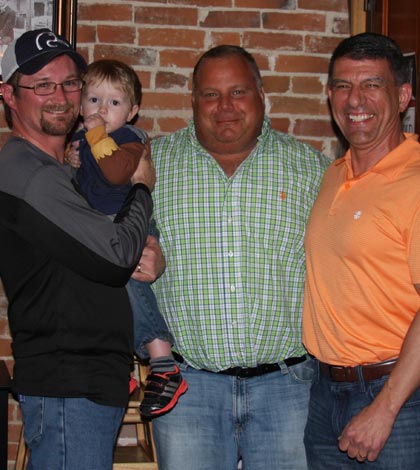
48 88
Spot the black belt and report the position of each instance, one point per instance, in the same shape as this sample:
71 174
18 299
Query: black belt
246 372
351 374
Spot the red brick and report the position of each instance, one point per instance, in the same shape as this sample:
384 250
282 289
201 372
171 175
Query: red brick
14 413
166 16
276 84
294 21
104 12
4 324
307 85
262 61
220 37
321 44
5 347
265 4
273 41
86 33
301 64
170 79
144 123
84 52
173 38
326 5
204 3
179 58
316 144
169 100
131 55
14 432
144 78
281 124
116 34
297 106
341 26
3 305
313 127
231 19
12 448
167 125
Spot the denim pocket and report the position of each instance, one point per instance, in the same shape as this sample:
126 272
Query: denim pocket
304 372
33 414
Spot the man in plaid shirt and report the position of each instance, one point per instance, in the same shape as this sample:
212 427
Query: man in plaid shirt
231 202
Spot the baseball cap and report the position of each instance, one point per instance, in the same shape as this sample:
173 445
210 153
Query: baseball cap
33 50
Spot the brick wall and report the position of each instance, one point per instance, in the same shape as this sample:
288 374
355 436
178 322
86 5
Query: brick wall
290 39
162 39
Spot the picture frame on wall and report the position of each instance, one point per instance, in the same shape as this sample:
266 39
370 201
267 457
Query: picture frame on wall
409 116
18 16
357 16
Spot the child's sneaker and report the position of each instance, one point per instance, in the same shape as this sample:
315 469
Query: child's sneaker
162 392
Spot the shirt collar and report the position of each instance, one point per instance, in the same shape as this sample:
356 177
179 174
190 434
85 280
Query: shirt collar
392 163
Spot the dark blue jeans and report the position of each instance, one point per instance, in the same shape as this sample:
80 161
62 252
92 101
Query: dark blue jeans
148 322
333 404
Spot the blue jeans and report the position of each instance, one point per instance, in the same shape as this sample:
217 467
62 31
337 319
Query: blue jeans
222 419
148 322
331 407
69 433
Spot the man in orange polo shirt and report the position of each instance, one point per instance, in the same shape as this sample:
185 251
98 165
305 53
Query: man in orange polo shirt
363 271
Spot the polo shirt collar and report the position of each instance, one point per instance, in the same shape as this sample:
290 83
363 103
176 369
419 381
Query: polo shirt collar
391 164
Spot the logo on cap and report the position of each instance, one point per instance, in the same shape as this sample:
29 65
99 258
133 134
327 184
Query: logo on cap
50 42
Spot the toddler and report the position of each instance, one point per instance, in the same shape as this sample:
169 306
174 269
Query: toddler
106 152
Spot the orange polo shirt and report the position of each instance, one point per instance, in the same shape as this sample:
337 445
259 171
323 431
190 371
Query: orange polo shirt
363 256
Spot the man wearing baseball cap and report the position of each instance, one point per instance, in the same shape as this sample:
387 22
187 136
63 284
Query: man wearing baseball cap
64 266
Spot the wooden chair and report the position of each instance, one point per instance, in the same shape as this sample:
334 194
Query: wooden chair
22 453
143 455
139 457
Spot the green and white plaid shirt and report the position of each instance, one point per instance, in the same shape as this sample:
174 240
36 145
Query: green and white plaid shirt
233 287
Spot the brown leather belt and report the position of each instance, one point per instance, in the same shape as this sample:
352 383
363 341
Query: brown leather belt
351 374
